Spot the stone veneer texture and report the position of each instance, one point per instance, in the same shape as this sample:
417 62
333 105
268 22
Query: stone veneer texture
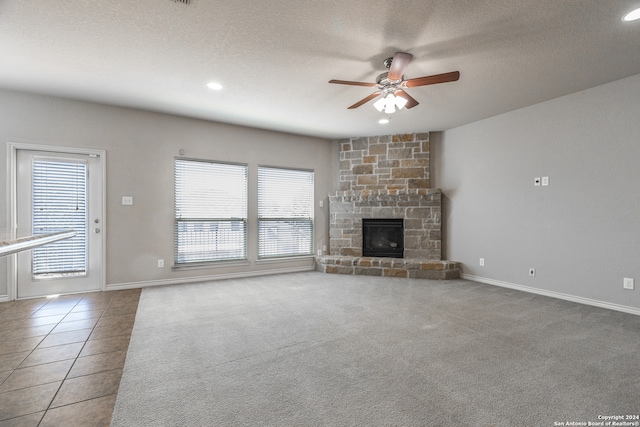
390 162
420 209
386 177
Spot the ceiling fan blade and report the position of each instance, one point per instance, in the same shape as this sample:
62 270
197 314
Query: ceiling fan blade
398 65
432 80
411 102
365 100
346 82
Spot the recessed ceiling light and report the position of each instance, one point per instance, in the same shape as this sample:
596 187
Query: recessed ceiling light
383 121
632 16
214 86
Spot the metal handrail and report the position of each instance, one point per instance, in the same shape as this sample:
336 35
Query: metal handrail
25 243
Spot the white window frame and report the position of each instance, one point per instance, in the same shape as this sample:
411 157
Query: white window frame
207 214
272 181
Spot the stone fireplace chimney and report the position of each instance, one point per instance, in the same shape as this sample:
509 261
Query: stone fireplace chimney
385 164
386 177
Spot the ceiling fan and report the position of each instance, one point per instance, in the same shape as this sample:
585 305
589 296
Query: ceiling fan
391 84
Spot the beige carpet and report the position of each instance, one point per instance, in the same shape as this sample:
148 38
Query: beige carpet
309 349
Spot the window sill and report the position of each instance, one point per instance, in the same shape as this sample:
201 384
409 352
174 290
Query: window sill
211 264
283 259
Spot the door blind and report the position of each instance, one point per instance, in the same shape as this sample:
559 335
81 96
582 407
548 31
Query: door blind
285 212
210 211
59 203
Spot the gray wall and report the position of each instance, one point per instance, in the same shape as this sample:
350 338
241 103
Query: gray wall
582 232
141 147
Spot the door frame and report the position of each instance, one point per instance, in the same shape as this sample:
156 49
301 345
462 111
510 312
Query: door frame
12 205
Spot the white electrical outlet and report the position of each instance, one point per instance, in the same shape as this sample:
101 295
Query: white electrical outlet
160 263
482 262
532 272
627 283
127 200
536 181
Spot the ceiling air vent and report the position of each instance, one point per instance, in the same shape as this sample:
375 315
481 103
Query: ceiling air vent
182 1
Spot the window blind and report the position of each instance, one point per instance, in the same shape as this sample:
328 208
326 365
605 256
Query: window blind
285 212
59 202
210 211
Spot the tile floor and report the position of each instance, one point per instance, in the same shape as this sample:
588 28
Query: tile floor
61 359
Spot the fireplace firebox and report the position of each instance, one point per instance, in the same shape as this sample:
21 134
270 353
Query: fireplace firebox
383 237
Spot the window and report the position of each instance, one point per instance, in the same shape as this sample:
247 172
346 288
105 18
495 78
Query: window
211 211
59 203
285 212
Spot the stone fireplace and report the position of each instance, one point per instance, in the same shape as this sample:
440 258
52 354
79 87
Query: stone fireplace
420 211
386 177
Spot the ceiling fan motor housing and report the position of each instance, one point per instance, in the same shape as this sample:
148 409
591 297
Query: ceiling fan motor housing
387 85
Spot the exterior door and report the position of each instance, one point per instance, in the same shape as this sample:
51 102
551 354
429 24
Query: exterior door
57 192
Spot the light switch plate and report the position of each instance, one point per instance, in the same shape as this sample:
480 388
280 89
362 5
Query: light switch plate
545 181
627 283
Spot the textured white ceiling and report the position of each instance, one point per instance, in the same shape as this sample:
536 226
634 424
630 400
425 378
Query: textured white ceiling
275 58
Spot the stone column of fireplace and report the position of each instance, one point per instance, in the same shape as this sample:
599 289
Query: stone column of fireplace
387 177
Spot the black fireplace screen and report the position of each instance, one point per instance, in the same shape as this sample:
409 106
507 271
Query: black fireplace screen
383 237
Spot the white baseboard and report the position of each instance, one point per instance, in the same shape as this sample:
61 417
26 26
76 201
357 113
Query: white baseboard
552 294
4 298
144 284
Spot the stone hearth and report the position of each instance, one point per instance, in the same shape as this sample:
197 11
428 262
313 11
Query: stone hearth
388 267
387 177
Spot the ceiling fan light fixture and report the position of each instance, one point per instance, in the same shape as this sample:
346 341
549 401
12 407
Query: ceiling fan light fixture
379 104
214 86
632 16
400 102
383 121
390 103
390 106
